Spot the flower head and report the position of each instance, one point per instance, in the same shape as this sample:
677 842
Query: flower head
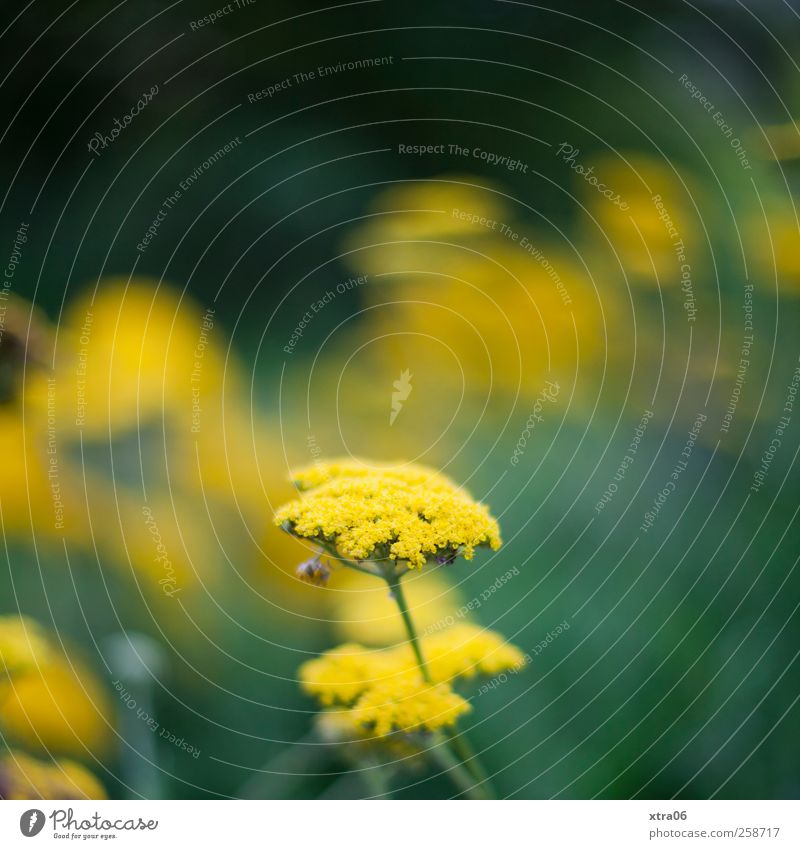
407 705
398 513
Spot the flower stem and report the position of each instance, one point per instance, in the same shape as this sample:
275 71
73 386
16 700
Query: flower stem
462 748
400 599
480 786
440 753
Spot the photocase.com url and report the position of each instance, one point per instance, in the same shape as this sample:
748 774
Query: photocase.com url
757 832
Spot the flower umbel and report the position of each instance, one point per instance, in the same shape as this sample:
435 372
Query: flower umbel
409 514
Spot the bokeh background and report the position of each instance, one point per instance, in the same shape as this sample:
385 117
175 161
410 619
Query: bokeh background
591 280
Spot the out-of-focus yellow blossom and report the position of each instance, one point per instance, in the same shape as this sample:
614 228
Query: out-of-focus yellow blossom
342 675
128 354
408 215
496 307
380 515
464 651
60 707
24 777
23 646
363 611
643 239
408 705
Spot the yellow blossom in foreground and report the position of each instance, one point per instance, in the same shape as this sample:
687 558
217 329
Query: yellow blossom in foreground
344 674
381 515
23 645
24 777
407 705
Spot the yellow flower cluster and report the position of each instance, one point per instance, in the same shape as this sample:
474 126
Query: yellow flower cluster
401 514
56 703
342 675
384 690
23 646
24 777
408 706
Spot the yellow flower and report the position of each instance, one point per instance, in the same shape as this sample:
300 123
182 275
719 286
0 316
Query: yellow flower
660 224
344 674
24 777
23 646
384 514
128 355
60 707
407 705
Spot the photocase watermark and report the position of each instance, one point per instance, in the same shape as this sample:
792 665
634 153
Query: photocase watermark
626 463
489 157
223 11
473 604
569 154
780 429
543 644
206 326
680 467
151 722
101 141
169 583
320 72
185 184
744 360
719 119
316 307
680 255
63 819
548 395
402 391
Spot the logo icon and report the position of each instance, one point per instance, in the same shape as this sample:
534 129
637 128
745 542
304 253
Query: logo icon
31 822
402 391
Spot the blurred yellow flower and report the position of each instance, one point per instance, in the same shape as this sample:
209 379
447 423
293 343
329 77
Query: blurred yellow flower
391 515
24 777
23 646
128 354
465 651
342 675
60 707
496 306
661 225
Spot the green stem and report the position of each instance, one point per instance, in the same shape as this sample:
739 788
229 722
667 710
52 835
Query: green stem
464 751
460 776
400 599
